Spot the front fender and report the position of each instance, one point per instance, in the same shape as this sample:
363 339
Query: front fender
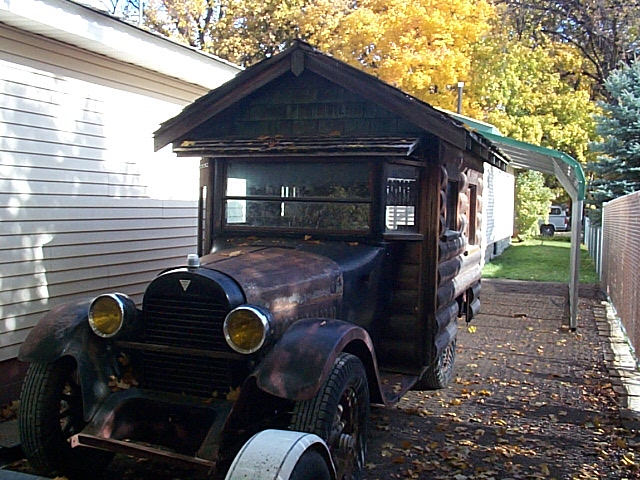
65 331
53 335
302 359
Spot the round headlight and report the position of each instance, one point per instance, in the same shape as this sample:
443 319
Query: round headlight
106 315
246 328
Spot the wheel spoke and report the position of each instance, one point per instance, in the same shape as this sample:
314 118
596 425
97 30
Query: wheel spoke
67 430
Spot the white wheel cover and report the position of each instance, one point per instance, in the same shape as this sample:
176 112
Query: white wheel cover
273 454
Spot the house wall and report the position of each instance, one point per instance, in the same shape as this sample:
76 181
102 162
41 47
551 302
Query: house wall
497 211
85 205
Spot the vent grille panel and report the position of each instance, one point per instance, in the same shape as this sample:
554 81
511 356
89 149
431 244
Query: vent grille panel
188 322
197 376
185 323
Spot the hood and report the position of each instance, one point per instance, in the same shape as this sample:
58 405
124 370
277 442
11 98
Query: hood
291 283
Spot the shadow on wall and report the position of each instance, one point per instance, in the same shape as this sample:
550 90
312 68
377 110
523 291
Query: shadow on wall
76 217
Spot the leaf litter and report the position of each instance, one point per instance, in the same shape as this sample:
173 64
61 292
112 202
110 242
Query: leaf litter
529 401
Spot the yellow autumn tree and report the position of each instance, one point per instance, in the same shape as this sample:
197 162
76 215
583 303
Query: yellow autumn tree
531 92
423 47
241 31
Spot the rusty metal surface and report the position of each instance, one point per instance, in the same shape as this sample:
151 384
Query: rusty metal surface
289 282
395 385
50 337
65 331
301 361
141 451
186 426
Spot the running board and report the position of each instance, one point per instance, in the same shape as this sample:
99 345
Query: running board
137 450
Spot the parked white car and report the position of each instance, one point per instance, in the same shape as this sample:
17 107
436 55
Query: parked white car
558 221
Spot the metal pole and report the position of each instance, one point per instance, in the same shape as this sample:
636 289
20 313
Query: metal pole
460 88
574 263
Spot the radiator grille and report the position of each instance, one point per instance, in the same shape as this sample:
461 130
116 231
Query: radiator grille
188 322
185 323
197 376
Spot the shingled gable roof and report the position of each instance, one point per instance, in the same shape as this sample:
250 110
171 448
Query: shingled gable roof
300 57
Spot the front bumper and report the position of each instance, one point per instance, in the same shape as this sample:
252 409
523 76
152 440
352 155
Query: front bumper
171 428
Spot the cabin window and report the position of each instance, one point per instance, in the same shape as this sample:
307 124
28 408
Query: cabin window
298 195
473 213
451 213
203 210
401 198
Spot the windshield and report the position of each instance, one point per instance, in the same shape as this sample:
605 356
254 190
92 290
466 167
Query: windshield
298 195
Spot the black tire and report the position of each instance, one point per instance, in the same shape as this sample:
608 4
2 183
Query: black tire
311 466
547 230
50 413
440 374
339 414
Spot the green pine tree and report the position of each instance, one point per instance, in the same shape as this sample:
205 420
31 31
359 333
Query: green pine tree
617 168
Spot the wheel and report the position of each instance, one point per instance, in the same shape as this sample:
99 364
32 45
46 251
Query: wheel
547 230
339 414
440 374
50 413
311 466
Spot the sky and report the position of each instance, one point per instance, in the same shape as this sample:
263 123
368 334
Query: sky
106 5
99 4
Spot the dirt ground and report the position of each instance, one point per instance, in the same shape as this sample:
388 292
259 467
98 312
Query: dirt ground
530 400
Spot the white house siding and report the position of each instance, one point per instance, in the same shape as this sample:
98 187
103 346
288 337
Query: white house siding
498 211
85 205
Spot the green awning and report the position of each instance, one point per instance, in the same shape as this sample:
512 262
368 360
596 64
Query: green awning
542 159
567 170
533 157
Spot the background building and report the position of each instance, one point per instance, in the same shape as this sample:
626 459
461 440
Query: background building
85 205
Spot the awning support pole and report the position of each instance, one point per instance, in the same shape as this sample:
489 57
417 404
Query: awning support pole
574 262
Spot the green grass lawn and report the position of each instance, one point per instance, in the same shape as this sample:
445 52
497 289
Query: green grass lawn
542 260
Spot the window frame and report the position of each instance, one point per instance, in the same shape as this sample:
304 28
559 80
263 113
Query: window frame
370 200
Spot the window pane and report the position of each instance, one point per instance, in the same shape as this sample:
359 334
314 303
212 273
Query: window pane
313 216
402 198
236 209
328 196
302 180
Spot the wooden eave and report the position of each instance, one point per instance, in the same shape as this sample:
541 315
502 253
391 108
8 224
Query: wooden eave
219 99
298 58
300 146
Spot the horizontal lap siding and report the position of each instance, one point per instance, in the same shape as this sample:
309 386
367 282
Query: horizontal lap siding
76 171
497 210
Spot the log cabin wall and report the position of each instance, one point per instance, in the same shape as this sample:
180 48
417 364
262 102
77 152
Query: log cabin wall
458 257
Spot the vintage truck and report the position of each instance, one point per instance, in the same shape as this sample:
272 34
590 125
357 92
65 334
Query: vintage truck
338 245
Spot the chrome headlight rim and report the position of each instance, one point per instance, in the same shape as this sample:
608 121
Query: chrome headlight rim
118 298
260 314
